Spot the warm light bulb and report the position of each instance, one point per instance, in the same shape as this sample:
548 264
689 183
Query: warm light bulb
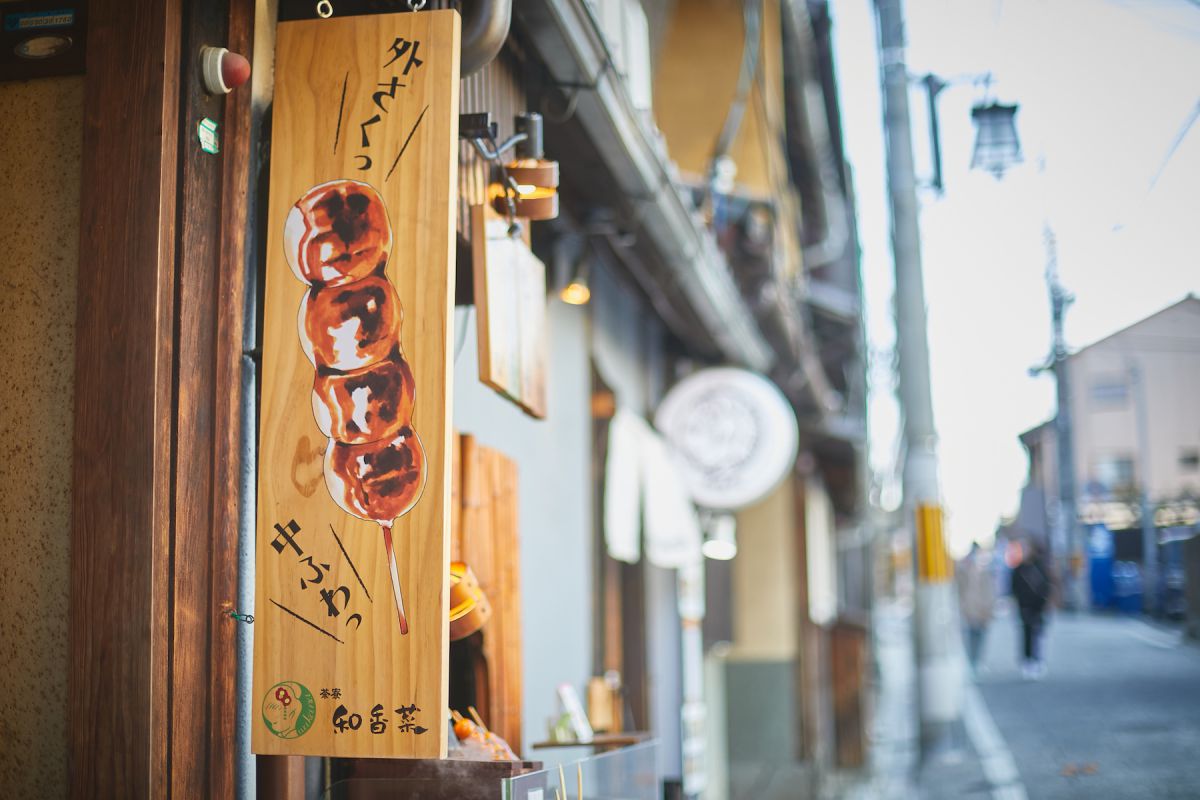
576 293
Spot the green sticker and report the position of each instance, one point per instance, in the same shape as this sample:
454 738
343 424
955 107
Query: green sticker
207 130
289 710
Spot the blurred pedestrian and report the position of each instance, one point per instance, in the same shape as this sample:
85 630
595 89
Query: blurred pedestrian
976 597
1032 586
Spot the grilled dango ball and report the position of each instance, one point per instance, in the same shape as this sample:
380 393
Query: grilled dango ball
365 405
337 233
352 326
376 481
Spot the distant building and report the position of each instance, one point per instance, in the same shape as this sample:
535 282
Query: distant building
1153 368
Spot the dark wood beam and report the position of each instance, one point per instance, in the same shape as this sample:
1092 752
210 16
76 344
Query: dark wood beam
157 417
120 620
230 301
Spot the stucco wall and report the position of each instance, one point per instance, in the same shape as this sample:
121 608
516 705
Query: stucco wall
554 459
41 131
1165 350
766 623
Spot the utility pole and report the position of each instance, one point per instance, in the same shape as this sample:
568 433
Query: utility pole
1068 518
936 627
1149 533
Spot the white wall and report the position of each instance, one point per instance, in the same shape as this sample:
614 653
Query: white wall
627 342
1165 349
553 458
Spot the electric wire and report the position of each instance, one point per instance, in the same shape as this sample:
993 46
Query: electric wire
1179 137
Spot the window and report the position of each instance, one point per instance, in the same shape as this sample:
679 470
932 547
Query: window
1189 459
1116 473
1109 392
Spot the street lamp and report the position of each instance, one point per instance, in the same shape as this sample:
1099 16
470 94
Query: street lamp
996 144
997 147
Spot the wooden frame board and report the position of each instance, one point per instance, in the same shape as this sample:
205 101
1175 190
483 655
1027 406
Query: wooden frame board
486 535
351 645
510 301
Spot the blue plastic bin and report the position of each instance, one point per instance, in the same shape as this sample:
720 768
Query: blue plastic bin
1127 586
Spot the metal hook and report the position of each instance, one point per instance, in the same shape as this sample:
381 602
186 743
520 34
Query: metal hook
416 5
324 9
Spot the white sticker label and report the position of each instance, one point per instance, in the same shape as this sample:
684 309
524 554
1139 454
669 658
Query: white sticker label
206 129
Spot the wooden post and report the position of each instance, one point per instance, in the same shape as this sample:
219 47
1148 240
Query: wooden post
119 684
281 777
156 435
848 653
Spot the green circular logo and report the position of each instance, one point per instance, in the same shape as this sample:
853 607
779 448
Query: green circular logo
289 710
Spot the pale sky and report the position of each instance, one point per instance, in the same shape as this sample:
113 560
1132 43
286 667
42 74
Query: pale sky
1104 88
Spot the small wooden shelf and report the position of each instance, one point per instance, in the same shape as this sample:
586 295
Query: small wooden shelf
601 741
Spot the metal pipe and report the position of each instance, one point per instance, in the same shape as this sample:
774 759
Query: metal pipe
485 25
805 98
262 88
494 155
245 767
752 14
934 85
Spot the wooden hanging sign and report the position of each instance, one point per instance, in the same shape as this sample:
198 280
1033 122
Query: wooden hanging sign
510 297
350 634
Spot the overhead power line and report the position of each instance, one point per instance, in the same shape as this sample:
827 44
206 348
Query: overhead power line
1179 137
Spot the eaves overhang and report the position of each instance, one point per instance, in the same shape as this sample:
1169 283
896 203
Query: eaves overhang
567 39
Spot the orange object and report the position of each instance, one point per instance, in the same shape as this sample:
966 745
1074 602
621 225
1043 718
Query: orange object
469 606
475 734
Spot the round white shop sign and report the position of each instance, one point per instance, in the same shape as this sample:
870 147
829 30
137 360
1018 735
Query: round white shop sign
734 434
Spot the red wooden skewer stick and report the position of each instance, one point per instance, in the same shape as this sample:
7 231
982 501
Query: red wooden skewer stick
387 544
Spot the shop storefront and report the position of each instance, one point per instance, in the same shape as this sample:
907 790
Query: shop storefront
350 478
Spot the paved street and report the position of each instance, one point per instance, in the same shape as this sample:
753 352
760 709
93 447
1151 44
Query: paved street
1117 716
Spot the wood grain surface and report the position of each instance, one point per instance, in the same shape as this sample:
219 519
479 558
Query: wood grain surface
332 78
510 302
230 297
487 538
210 235
157 442
119 680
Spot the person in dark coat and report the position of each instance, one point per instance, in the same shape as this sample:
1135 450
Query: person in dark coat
1032 586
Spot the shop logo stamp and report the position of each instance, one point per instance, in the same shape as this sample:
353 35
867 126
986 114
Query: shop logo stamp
289 710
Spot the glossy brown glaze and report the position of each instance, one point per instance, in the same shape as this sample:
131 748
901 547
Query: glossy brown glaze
378 480
337 233
351 326
365 405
